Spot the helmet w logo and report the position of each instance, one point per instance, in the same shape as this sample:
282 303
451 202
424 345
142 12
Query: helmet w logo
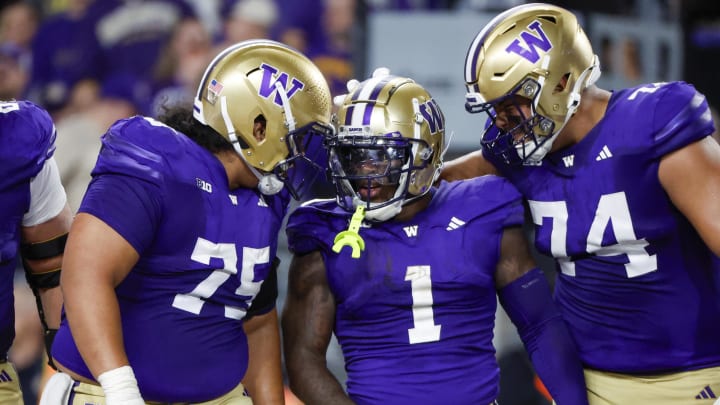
268 87
528 49
431 112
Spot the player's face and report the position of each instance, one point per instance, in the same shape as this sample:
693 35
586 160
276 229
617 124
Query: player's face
511 116
379 189
375 172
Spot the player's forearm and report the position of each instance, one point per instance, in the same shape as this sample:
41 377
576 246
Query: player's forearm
466 167
51 301
528 302
307 324
306 340
94 316
557 363
263 378
50 298
313 383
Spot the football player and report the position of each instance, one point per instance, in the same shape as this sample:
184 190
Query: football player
410 288
624 191
170 285
34 221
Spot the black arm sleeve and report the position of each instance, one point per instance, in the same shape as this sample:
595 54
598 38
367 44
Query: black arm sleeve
264 302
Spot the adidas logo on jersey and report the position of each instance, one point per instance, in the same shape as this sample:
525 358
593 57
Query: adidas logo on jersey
604 154
233 199
4 377
411 231
454 224
706 393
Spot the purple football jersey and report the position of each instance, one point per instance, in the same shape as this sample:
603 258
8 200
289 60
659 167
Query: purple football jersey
415 313
635 281
204 253
27 140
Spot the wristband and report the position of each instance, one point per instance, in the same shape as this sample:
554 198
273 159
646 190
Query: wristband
120 387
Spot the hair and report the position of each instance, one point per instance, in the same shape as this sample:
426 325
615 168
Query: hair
181 119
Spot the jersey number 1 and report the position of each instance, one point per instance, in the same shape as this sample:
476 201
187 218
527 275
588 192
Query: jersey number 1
425 329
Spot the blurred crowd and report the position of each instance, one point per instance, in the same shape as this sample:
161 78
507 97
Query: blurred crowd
91 62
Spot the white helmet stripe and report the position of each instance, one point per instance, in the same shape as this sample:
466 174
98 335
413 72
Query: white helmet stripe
361 116
479 41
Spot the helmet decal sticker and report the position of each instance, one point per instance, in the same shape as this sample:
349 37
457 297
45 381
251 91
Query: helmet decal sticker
268 87
431 113
532 42
214 89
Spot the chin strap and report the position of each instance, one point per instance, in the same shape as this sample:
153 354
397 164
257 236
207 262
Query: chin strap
351 237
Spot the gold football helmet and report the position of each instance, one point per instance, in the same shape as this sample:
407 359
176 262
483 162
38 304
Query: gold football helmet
274 105
536 51
391 132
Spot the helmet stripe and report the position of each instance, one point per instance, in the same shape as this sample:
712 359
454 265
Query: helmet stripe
348 114
369 91
474 51
357 114
369 107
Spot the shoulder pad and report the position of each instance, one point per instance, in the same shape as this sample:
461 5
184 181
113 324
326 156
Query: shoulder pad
316 211
682 116
139 147
490 197
662 117
313 225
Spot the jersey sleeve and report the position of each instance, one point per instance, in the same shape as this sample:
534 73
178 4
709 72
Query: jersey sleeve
130 206
490 198
127 188
47 195
492 204
27 141
680 117
138 147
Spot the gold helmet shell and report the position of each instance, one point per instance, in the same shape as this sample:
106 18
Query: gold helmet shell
395 115
533 51
263 81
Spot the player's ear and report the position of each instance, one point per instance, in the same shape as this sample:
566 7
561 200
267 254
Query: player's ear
562 83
